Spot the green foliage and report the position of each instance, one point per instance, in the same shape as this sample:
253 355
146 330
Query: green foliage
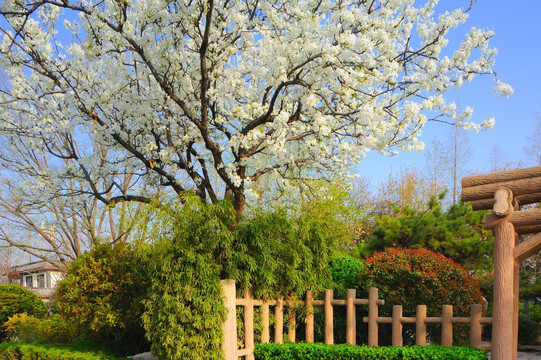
345 272
22 328
194 248
529 289
28 329
349 352
457 233
102 293
15 299
286 254
56 330
534 311
11 351
419 277
529 329
486 284
197 244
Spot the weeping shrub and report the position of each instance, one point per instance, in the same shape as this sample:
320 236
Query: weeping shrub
197 244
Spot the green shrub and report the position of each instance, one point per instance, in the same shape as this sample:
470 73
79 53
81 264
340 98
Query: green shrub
11 351
15 299
345 272
28 329
22 328
184 311
349 352
420 277
56 330
534 311
457 232
102 294
529 330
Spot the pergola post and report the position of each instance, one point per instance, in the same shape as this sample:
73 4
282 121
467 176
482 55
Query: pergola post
516 297
504 193
503 314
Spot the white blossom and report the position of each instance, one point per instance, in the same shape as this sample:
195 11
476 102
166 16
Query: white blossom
503 89
272 91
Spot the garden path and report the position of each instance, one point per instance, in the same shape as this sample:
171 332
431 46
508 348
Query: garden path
536 355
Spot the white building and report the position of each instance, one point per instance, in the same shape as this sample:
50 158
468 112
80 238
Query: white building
40 277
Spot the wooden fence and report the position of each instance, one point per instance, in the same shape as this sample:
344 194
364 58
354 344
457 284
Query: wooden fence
397 320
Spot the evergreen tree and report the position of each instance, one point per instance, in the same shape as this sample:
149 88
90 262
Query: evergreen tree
458 233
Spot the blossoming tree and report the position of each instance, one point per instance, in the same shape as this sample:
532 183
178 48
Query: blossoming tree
216 95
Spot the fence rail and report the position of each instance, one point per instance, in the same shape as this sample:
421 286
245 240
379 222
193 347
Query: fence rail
373 319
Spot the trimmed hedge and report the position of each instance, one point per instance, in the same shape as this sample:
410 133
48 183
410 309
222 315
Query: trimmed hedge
303 351
12 351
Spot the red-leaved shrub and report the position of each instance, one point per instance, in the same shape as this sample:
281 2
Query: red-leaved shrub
420 277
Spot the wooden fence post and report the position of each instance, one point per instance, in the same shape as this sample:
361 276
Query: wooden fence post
309 330
447 325
265 314
249 325
329 320
475 325
229 327
420 325
350 317
373 317
279 316
397 325
291 320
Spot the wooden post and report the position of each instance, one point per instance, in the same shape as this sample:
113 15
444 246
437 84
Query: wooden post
265 314
279 316
309 330
420 325
447 325
373 317
506 192
350 317
516 295
502 319
291 320
475 325
249 325
397 325
229 327
329 320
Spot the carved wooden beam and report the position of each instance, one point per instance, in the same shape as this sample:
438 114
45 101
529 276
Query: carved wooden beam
518 187
527 219
527 248
502 176
487 204
529 229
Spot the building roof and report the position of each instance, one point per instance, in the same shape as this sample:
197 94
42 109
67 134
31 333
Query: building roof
35 266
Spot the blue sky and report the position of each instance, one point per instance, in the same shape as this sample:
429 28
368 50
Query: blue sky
517 25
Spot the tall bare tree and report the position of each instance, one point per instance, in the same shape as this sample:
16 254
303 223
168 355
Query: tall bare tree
446 162
56 217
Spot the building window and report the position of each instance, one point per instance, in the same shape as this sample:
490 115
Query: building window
28 281
41 280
